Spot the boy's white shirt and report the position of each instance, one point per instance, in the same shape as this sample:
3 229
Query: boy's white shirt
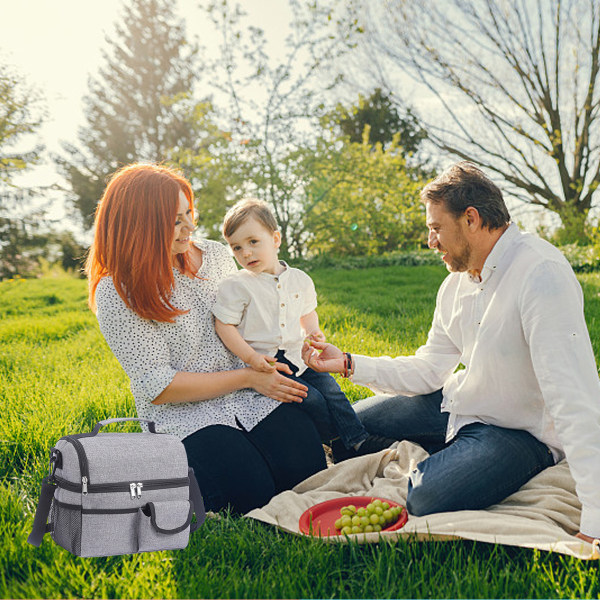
266 309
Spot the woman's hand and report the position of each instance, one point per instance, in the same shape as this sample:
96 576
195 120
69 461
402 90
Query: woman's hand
278 386
323 357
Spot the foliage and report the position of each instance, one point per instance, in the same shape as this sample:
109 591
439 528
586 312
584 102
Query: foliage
21 114
510 85
22 239
57 376
270 110
138 107
379 112
362 199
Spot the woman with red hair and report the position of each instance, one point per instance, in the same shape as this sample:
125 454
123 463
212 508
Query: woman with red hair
153 290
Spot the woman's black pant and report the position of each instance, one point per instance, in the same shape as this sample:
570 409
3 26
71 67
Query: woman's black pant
245 469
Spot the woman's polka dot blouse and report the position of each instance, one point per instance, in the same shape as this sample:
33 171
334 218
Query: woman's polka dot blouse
151 353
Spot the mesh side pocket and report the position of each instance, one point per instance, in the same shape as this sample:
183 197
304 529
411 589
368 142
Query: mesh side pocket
66 526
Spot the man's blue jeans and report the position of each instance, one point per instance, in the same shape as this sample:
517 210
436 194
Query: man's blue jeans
481 466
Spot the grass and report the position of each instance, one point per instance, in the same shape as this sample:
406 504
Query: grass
57 376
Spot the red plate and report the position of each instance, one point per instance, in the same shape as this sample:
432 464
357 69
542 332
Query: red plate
320 519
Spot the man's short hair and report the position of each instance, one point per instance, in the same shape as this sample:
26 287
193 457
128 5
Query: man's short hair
463 185
246 209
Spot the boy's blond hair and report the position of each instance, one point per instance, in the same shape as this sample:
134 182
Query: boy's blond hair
245 209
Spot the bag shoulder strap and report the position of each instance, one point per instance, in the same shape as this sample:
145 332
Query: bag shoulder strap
196 498
40 528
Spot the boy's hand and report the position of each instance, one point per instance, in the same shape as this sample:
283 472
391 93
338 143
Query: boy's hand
260 362
316 336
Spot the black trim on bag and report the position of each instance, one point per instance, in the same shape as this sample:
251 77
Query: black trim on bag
122 486
150 508
97 511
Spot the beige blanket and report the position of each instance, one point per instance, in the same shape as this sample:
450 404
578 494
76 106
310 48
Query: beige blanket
543 514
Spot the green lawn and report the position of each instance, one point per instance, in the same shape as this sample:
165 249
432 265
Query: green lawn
57 376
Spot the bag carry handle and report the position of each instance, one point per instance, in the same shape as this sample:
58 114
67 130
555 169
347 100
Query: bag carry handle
101 424
196 499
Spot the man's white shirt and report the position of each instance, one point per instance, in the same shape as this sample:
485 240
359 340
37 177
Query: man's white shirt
520 333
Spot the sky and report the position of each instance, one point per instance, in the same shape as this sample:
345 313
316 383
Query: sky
56 45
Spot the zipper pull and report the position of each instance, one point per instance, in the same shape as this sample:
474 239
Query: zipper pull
84 482
139 489
132 490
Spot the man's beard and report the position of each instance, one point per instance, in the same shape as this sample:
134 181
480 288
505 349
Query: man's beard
459 263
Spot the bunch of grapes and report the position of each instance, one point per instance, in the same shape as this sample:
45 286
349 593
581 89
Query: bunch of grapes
374 517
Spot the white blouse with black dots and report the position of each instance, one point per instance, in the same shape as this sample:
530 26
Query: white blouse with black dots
151 352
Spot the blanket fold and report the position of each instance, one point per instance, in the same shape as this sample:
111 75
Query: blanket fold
543 514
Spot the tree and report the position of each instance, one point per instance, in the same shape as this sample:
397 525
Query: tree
271 108
138 107
362 199
515 85
379 112
21 114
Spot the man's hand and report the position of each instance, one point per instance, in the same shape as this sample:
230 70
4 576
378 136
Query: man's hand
262 363
323 357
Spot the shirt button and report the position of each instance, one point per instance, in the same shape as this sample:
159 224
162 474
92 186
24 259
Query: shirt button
296 295
283 324
279 287
282 304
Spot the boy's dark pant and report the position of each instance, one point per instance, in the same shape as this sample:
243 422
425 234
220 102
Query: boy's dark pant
328 406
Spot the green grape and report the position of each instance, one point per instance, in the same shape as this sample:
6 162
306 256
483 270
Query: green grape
377 502
377 527
355 520
385 505
346 521
374 519
338 524
364 521
387 515
347 530
361 512
378 510
356 529
369 528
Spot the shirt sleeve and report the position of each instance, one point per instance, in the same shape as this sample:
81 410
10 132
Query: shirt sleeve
424 372
563 360
310 295
137 344
232 300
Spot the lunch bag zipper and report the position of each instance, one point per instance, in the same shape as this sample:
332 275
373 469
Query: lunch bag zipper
133 487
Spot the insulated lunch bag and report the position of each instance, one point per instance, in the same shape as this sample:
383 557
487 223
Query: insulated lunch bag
118 493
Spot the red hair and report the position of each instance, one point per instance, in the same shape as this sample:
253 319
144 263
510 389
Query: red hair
134 229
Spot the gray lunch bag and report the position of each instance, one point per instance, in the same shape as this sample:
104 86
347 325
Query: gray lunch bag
118 493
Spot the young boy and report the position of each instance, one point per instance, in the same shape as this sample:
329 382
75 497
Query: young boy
263 314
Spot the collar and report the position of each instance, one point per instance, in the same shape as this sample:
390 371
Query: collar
495 259
283 273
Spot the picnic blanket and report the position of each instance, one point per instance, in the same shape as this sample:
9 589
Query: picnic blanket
543 514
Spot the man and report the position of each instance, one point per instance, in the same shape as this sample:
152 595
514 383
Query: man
506 384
